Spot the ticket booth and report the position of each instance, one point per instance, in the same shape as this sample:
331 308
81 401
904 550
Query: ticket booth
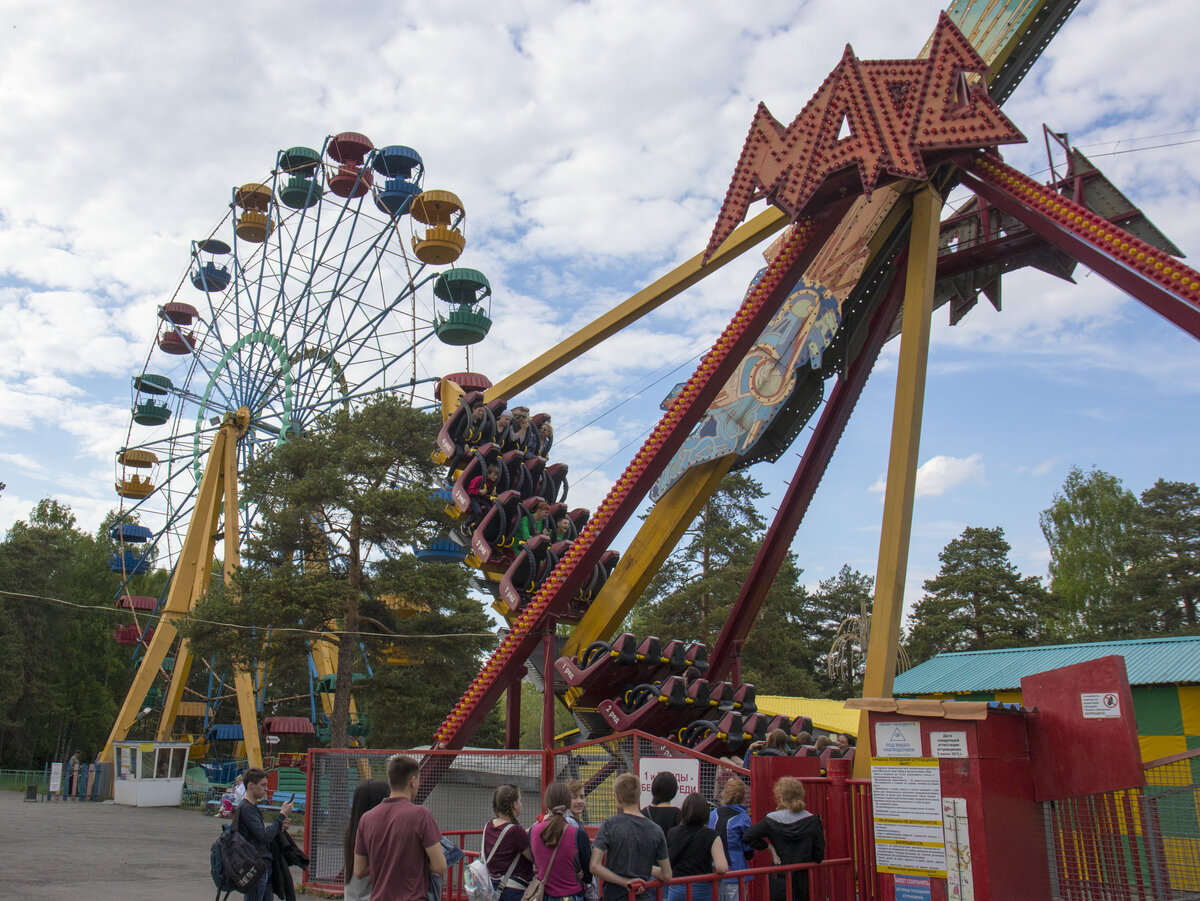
955 814
149 773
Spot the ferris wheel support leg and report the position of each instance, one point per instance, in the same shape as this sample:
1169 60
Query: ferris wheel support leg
187 584
179 677
902 462
242 682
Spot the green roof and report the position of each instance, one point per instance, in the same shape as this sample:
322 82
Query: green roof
1150 661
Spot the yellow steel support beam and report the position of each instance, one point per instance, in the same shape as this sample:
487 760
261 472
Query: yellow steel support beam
242 683
655 540
187 583
902 462
217 490
179 677
645 301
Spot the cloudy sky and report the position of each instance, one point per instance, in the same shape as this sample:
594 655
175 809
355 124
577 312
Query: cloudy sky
591 143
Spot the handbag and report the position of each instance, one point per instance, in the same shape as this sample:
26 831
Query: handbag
537 885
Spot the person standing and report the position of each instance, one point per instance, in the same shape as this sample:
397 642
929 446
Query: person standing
663 790
506 845
367 796
398 843
252 828
73 776
730 821
561 849
239 789
695 850
794 833
629 846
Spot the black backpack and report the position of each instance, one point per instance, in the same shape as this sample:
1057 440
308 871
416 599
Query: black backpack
235 864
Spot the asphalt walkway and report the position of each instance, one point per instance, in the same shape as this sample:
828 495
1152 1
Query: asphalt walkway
82 851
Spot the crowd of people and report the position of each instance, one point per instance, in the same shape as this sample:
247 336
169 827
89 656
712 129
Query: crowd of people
394 849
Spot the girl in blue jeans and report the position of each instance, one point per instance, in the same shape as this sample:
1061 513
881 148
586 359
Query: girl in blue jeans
695 850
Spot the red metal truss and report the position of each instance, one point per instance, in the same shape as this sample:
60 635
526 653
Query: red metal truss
1147 274
872 118
804 482
507 663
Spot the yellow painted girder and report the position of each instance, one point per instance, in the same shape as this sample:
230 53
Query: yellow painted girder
903 457
645 301
655 540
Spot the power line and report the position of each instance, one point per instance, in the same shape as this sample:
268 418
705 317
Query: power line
320 633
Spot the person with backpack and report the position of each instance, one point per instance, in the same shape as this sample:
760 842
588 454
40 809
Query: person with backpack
506 846
251 827
730 821
562 851
695 850
367 796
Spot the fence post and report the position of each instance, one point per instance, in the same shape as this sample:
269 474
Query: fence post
837 831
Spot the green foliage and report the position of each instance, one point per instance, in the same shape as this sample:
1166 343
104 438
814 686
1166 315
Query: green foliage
977 601
843 608
65 676
691 596
1086 527
340 507
1158 591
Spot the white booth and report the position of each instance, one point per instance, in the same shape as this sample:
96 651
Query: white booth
149 773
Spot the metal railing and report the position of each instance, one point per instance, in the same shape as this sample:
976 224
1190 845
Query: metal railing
818 874
1138 843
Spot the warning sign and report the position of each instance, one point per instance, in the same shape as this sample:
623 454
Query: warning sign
906 797
897 739
686 771
1100 705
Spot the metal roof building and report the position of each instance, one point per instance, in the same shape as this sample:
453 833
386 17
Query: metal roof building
1150 661
1164 677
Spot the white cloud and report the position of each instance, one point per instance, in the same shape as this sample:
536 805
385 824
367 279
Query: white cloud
940 474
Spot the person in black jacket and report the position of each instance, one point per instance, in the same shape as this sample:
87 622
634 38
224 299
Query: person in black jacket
794 833
251 827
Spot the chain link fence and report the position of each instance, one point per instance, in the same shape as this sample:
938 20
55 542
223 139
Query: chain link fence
463 782
1132 844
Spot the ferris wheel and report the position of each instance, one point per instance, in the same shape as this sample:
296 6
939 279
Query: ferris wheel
321 287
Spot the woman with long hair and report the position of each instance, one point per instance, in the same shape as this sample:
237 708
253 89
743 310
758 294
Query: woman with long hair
695 850
561 849
506 845
794 833
367 796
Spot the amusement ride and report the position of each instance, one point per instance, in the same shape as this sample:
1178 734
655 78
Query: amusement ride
855 184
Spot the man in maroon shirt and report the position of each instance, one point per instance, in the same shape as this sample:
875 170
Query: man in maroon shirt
398 842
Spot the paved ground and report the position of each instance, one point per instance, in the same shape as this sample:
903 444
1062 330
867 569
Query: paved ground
81 851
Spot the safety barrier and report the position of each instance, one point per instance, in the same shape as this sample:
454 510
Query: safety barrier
1141 843
463 782
91 782
20 780
701 888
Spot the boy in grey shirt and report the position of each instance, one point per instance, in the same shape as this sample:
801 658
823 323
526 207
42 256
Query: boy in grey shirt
629 846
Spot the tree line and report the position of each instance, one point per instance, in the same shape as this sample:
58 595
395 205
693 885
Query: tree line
342 506
1121 567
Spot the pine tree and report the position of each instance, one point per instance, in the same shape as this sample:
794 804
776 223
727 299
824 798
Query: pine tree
341 506
691 596
1160 588
977 601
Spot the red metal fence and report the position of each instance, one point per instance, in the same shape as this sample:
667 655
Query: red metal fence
461 801
1133 844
